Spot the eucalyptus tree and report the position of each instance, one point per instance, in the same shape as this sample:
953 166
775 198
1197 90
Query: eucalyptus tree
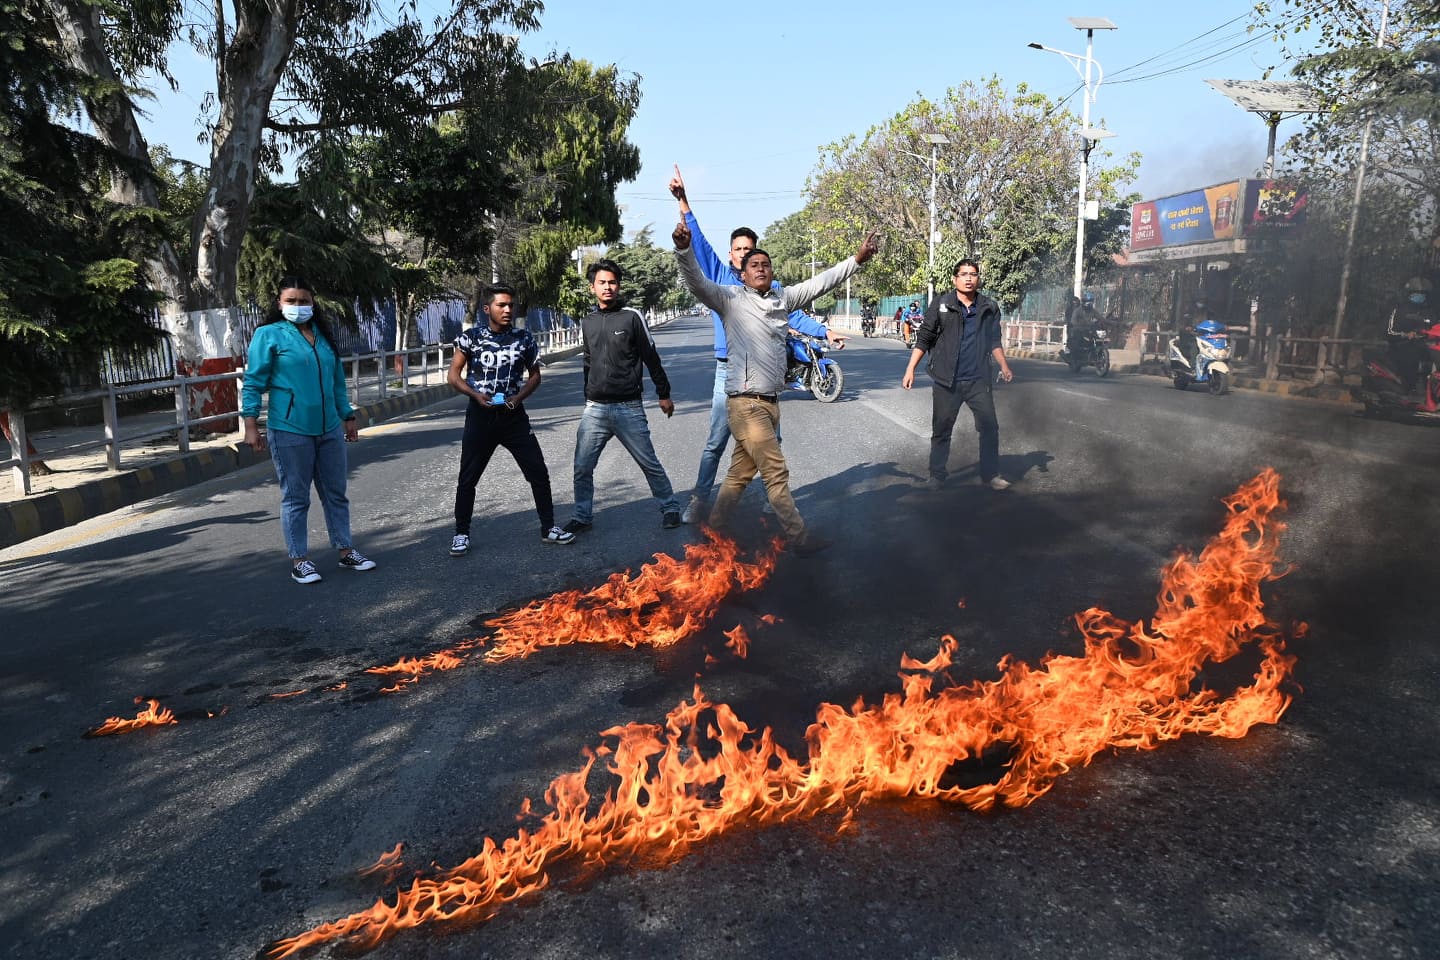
289 77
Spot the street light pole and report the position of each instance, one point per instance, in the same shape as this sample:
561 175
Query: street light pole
1088 136
935 140
930 261
1084 167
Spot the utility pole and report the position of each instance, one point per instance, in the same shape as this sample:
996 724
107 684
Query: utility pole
1343 298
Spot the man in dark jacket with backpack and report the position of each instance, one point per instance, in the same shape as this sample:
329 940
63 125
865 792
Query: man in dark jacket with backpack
961 332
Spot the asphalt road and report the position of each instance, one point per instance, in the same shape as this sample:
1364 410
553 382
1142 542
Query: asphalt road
1315 837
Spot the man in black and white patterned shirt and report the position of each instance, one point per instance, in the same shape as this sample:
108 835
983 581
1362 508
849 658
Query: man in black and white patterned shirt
497 367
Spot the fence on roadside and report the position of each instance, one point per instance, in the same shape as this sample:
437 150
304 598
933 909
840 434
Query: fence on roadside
380 371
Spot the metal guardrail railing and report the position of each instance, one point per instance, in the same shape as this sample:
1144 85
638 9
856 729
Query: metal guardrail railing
368 372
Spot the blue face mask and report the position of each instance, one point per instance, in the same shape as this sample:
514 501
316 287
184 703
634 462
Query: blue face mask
297 313
1418 299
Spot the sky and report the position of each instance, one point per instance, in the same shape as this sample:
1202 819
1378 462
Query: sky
743 102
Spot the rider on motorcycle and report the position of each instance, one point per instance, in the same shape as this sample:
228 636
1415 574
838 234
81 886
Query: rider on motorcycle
1411 322
1082 323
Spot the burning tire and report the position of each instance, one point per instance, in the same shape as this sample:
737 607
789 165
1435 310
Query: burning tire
827 385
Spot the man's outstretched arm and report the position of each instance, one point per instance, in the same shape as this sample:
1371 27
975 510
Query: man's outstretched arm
802 293
713 295
713 268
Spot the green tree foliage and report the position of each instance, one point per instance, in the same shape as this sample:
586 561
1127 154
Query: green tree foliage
71 285
289 77
1005 190
651 274
291 234
1393 88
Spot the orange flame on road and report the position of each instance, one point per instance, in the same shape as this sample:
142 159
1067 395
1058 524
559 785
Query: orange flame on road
705 771
666 602
390 860
153 715
738 640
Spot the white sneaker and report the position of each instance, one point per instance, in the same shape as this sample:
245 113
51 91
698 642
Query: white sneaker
305 572
355 560
459 544
557 535
999 483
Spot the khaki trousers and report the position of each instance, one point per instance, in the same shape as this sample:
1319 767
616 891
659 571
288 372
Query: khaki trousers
753 423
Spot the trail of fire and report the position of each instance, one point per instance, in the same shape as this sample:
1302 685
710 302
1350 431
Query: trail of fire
666 602
153 715
705 771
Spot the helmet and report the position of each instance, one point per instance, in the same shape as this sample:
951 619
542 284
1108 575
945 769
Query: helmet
1087 298
1417 291
1210 328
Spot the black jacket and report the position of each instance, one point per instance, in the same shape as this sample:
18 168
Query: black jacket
615 343
939 334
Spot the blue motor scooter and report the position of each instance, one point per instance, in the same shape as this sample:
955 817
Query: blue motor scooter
1202 357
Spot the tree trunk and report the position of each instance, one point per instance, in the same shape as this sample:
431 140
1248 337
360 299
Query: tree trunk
113 114
253 61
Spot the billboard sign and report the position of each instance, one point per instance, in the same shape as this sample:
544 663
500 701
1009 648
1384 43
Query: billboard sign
1225 211
1271 204
1199 216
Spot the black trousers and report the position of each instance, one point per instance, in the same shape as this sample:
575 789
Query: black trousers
487 428
945 407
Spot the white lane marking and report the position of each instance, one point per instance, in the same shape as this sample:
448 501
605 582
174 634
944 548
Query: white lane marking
1080 393
895 418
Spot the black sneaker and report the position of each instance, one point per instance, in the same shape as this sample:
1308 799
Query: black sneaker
305 572
355 560
576 526
671 520
556 535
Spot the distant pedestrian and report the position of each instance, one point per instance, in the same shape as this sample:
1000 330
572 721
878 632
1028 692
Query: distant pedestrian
899 315
294 362
615 344
961 332
497 367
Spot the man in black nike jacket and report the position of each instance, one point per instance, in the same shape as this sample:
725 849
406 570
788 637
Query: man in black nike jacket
615 344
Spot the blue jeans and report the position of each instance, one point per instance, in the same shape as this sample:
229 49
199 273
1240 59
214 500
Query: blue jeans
719 437
598 423
301 460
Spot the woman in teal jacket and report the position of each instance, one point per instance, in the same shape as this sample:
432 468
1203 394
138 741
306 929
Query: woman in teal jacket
293 358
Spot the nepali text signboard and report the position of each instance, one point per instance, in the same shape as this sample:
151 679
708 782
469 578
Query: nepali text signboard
1199 216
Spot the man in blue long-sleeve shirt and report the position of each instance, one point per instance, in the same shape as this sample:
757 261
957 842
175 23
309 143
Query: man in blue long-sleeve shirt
716 270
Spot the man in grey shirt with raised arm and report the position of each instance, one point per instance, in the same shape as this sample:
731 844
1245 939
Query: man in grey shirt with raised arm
756 317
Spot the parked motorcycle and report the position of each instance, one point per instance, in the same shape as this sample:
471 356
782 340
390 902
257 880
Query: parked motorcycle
1202 357
811 370
1094 352
1388 388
